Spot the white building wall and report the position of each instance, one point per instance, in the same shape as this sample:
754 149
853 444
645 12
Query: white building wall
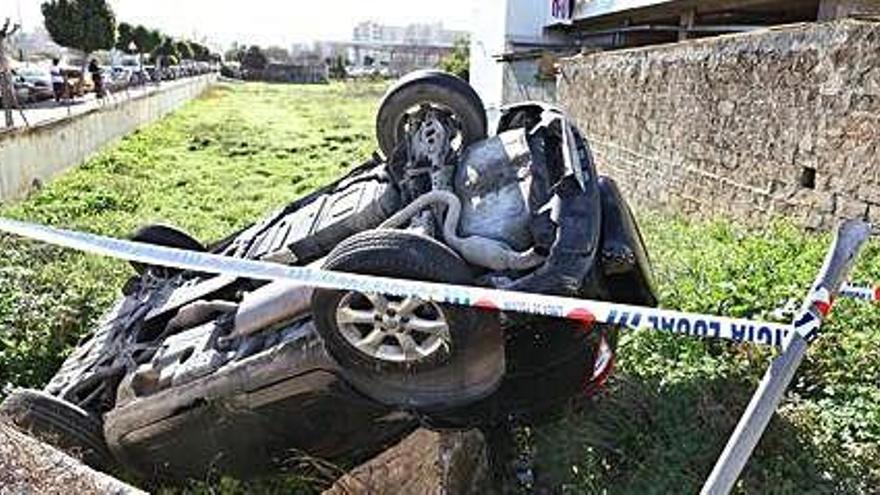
488 39
501 26
592 8
526 20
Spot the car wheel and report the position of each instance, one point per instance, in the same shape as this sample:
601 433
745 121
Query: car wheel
61 424
406 351
163 235
437 90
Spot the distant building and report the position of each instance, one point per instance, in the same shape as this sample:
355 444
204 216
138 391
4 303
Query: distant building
396 50
433 34
383 49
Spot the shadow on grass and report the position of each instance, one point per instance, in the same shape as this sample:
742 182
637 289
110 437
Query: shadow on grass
643 436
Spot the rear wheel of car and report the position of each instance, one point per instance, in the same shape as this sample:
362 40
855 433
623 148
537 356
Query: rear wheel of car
408 352
434 89
167 236
61 424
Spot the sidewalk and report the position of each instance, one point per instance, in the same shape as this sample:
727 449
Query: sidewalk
47 111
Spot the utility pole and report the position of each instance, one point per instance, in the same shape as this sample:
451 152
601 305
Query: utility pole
5 74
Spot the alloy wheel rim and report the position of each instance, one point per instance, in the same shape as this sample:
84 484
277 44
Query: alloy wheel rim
401 330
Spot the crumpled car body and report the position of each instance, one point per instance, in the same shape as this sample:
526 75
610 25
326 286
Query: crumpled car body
192 373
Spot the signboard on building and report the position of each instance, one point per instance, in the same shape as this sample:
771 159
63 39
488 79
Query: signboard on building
561 11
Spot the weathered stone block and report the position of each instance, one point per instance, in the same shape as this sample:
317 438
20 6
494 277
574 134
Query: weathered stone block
851 208
425 462
28 465
869 192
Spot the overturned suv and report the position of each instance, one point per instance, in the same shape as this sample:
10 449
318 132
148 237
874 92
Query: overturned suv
192 372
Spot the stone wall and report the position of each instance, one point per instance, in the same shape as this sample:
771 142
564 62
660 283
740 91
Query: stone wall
32 156
838 9
776 122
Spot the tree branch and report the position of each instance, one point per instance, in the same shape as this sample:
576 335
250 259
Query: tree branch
6 32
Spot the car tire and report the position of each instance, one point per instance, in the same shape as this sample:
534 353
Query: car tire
167 236
61 424
429 87
470 364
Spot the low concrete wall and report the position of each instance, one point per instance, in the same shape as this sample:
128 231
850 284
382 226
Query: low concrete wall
777 122
32 156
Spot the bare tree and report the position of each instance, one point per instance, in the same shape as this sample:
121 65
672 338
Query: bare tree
8 95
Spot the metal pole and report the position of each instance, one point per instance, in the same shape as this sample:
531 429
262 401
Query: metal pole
848 240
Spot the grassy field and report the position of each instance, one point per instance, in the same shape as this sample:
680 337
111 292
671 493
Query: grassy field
226 159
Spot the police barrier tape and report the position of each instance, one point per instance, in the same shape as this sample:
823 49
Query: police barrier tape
587 311
863 293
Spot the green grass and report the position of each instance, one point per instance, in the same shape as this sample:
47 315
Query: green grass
228 158
674 401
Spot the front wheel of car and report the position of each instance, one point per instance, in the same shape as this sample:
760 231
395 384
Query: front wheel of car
407 351
61 424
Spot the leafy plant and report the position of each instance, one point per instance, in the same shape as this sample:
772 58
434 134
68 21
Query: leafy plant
184 50
166 52
85 25
147 40
125 38
254 59
459 61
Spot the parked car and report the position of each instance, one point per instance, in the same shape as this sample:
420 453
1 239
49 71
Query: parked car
168 73
191 373
40 81
118 78
153 74
203 68
23 90
139 76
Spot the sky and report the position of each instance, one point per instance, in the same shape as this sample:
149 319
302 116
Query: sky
265 22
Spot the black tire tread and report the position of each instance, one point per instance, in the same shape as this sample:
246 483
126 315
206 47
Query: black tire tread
419 83
445 262
164 235
167 236
58 423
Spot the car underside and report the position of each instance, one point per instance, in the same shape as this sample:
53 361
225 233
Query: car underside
191 373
